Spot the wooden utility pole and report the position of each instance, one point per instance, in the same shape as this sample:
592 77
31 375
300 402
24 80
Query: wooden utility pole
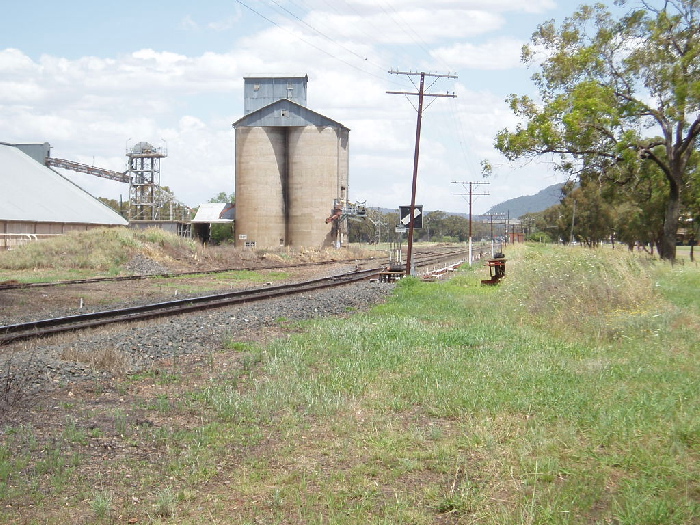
421 95
471 195
491 215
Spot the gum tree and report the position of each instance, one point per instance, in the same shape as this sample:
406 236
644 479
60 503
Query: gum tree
616 93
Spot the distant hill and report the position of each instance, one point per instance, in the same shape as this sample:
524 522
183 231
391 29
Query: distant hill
550 196
519 206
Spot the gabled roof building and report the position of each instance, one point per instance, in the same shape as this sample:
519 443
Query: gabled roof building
36 201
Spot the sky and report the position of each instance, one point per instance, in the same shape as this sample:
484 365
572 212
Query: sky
94 78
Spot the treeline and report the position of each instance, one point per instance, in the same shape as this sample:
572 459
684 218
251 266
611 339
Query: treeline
599 210
618 108
438 226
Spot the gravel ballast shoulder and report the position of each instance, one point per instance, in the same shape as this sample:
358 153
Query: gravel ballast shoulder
42 366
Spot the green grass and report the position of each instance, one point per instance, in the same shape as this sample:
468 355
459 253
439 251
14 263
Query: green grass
566 395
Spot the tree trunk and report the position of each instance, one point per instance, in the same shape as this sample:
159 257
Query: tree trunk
667 246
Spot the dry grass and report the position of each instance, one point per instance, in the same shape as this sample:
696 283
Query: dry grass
109 250
579 291
105 359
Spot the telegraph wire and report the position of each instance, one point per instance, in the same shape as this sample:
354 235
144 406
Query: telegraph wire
334 41
317 31
414 37
352 8
458 124
324 51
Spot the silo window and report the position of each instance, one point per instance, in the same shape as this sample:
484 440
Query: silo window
284 113
256 87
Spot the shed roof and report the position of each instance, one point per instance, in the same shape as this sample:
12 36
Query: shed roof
285 113
31 192
215 212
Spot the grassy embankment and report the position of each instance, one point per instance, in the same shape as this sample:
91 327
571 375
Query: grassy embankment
569 394
108 252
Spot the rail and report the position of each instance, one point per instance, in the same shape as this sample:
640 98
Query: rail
47 327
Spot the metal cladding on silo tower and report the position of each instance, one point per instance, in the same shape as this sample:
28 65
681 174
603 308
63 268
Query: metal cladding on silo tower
259 92
292 166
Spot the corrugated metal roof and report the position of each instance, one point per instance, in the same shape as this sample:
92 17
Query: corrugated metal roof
215 212
31 192
285 113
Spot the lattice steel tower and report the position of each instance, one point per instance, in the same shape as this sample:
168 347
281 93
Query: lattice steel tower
143 170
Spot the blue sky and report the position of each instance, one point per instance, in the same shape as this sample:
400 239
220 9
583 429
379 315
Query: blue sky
92 77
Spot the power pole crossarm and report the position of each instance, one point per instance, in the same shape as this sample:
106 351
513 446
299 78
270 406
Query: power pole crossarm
471 195
416 74
444 95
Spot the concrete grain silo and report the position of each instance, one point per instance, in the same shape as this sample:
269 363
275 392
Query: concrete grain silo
261 170
292 166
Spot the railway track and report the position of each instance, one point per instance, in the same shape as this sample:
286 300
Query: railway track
46 327
11 285
72 323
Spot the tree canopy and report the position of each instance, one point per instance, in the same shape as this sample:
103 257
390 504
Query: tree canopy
619 100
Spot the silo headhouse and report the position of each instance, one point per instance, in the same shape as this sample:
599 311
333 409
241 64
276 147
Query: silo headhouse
292 167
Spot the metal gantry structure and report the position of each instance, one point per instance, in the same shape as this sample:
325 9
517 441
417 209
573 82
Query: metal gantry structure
84 168
143 173
343 211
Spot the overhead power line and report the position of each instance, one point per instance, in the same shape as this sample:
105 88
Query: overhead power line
471 195
311 44
326 52
301 21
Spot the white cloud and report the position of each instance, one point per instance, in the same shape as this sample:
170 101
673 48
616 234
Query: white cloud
501 53
90 108
13 61
224 24
188 24
394 6
395 28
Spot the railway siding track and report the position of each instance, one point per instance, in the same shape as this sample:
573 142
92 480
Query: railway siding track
12 285
46 327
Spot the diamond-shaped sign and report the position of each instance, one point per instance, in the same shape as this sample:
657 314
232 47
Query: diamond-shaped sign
405 215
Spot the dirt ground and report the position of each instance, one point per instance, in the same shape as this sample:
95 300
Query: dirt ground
106 427
85 438
31 303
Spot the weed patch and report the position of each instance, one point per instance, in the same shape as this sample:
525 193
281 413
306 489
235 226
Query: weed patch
448 403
